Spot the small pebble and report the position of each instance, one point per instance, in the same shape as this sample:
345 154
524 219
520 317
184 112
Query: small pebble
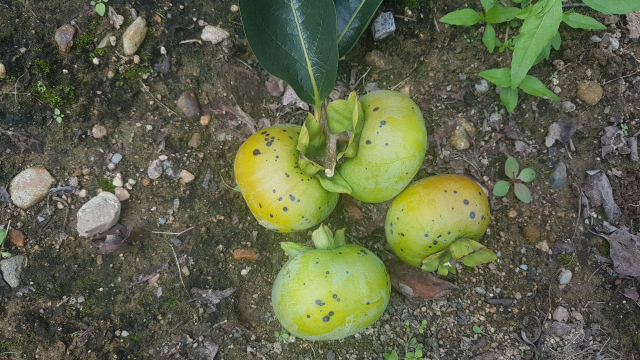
215 34
560 314
331 355
186 176
146 182
558 176
512 213
565 277
590 92
155 170
82 193
117 181
111 166
162 221
383 26
121 193
134 36
98 131
3 71
116 158
188 104
175 241
576 315
195 141
480 290
234 8
524 267
64 37
568 106
124 333
185 270
483 86
205 120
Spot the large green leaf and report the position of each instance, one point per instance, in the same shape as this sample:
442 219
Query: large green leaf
532 86
500 14
511 167
579 21
487 4
489 39
353 17
501 188
535 34
462 17
614 6
522 192
296 41
509 98
500 77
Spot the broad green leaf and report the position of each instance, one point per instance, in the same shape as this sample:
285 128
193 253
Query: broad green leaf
509 98
392 356
489 39
578 21
476 329
431 262
463 247
353 17
479 257
338 238
535 33
522 192
487 4
556 41
532 86
462 17
336 183
501 188
3 235
544 54
296 41
500 77
443 270
500 14
614 6
101 9
511 168
527 175
418 351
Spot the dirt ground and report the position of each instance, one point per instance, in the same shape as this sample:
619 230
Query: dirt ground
74 304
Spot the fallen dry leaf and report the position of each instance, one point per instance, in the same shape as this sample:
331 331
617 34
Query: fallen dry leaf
17 237
416 283
598 189
625 249
112 239
207 351
211 296
247 254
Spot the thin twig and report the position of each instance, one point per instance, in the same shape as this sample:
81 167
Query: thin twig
600 267
191 41
621 77
15 87
404 17
361 77
177 263
171 233
146 89
398 84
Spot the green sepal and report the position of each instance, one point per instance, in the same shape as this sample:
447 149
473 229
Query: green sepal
346 116
3 235
293 248
336 183
324 239
463 247
479 257
431 262
310 141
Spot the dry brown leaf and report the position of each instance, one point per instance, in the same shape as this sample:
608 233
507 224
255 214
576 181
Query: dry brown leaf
416 283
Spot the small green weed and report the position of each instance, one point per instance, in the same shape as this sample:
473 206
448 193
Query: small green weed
106 184
99 5
3 236
411 4
172 302
624 129
281 336
511 169
44 65
605 248
411 335
58 115
58 287
478 330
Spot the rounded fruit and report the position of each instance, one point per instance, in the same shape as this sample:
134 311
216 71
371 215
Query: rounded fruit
392 146
331 294
280 196
432 213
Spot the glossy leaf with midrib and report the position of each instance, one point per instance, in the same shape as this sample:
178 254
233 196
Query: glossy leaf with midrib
353 17
296 41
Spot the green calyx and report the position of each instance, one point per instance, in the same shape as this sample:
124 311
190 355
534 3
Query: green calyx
323 239
470 252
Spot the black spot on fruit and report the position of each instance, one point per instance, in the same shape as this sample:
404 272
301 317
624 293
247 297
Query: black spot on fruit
439 236
465 201
319 303
327 272
330 313
455 192
287 175
280 199
292 198
260 206
270 215
308 316
367 303
472 215
256 152
274 191
448 232
285 209
383 122
270 143
376 108
386 144
435 242
426 235
264 132
326 319
368 142
335 296
482 217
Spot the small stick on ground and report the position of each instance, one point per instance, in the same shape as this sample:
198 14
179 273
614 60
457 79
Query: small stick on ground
171 233
146 90
177 263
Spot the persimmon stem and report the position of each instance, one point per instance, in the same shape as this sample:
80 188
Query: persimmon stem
331 141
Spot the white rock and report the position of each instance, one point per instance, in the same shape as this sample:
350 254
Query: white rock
186 176
98 214
121 193
560 314
215 34
155 169
134 36
11 269
117 181
565 277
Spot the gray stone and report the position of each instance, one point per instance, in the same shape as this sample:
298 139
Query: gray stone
560 314
64 37
30 186
215 34
116 158
188 104
372 86
565 277
558 176
134 36
11 269
480 290
98 214
155 169
383 26
331 355
483 86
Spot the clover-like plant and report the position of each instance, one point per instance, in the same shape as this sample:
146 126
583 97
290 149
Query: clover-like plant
511 169
3 236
